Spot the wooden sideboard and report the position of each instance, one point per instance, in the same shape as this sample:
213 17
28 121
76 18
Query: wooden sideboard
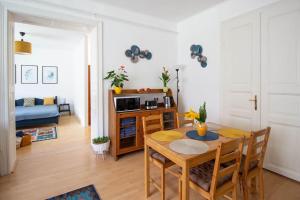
132 123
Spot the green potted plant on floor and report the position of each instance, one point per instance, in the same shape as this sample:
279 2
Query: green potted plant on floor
101 144
117 78
165 78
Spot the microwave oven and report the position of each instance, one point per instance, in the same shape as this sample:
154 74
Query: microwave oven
127 103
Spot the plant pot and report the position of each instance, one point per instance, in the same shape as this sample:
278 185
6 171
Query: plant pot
100 148
165 89
118 90
201 129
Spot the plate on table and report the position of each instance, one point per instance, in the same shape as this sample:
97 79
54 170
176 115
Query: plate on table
188 146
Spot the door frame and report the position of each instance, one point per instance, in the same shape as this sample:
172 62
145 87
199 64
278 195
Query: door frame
7 107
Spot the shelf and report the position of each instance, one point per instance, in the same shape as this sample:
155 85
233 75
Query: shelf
128 125
168 121
126 137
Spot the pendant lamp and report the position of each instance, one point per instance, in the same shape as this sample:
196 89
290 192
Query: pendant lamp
22 47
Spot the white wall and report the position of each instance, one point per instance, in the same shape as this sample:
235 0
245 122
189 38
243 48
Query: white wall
205 29
48 49
119 36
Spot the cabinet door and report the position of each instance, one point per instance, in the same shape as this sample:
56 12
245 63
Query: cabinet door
169 120
281 86
127 132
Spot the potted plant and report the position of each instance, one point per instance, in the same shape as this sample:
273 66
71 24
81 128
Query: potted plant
165 78
200 118
101 144
117 78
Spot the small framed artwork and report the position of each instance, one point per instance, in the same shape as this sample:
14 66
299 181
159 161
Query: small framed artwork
29 74
50 75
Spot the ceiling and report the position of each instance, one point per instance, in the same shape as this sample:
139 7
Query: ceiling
170 10
46 37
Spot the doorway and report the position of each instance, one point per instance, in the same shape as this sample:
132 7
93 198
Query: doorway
93 30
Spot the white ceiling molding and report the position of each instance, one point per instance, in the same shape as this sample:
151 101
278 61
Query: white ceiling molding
90 9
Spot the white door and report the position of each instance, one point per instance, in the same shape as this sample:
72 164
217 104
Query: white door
241 72
281 86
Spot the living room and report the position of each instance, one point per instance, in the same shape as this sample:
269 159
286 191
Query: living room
177 90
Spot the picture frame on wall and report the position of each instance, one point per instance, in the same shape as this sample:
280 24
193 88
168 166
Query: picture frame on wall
50 75
29 74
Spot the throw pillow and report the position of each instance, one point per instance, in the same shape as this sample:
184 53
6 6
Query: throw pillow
19 102
48 101
28 102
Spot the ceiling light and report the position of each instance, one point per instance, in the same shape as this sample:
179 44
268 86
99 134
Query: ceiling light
22 47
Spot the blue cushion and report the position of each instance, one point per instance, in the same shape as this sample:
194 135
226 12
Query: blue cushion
19 102
39 101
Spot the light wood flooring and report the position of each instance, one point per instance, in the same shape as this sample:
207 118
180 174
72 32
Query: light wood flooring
53 167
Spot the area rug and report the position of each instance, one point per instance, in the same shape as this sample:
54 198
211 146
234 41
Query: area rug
85 193
40 134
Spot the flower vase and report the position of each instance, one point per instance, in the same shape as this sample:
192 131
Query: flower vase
118 90
201 129
165 89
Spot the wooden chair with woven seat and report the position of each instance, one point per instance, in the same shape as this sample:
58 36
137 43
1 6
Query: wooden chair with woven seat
218 177
252 163
152 124
182 120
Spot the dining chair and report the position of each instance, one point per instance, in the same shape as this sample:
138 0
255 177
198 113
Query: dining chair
182 120
252 163
152 124
220 176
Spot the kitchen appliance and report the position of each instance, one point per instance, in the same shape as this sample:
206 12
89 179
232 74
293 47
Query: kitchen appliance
127 103
151 104
167 101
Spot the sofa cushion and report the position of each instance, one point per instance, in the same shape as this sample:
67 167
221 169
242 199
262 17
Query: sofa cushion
39 102
28 102
19 102
202 175
48 101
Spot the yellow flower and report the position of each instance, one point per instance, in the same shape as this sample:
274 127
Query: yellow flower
191 114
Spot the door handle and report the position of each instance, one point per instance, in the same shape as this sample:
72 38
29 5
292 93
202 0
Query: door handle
255 102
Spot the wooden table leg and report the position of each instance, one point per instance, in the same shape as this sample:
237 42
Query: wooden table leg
147 171
185 182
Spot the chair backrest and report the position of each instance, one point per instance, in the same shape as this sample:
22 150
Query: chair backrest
227 165
152 123
256 150
182 120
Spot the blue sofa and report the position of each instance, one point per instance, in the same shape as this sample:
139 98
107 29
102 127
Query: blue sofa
39 114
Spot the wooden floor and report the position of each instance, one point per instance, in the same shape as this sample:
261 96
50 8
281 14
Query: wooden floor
52 167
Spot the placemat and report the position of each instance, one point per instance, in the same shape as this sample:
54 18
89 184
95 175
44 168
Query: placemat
193 134
188 146
166 136
233 133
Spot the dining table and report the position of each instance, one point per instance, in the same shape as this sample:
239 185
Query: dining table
184 161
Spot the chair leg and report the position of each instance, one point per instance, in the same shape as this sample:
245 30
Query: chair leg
245 189
234 192
179 189
261 185
253 185
162 183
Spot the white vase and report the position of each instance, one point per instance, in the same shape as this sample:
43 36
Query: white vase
100 148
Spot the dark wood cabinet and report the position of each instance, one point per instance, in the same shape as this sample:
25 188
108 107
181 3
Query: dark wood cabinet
126 129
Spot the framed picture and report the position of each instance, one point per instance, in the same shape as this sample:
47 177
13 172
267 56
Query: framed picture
29 74
50 75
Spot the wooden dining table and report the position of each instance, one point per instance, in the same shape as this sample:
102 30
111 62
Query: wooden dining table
185 161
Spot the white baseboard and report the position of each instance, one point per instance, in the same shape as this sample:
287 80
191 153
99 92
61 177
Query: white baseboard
282 171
